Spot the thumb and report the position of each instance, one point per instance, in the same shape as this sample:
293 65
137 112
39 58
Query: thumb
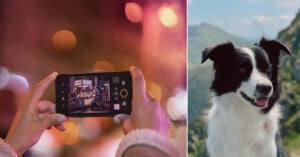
138 83
127 126
120 118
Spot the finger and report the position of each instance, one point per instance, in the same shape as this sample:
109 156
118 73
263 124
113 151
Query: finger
41 87
120 118
42 115
138 84
127 126
149 95
60 127
46 106
53 119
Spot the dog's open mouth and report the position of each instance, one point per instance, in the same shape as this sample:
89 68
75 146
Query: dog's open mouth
260 102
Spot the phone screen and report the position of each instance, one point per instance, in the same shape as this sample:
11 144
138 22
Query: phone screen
100 94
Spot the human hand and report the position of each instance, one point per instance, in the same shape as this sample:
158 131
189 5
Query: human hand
146 111
33 117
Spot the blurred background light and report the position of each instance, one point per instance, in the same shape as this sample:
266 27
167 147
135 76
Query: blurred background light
47 139
71 135
134 12
64 40
167 16
155 90
18 84
103 66
92 127
4 77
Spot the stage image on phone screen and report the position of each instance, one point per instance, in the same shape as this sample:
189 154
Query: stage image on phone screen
89 95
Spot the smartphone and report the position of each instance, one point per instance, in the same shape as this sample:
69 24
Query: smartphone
94 94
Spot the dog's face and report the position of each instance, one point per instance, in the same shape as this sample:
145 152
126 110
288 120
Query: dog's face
255 86
248 72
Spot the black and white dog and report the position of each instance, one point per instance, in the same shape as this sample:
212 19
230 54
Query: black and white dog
243 121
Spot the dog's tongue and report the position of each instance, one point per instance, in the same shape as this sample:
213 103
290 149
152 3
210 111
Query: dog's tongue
262 101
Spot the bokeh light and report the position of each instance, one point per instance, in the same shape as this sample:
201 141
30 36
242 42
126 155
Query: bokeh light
64 40
4 77
103 66
134 12
47 139
155 90
167 16
176 106
92 128
71 135
18 84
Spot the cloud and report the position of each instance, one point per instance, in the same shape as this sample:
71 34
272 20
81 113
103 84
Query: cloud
263 20
246 21
288 3
277 3
251 1
287 18
266 20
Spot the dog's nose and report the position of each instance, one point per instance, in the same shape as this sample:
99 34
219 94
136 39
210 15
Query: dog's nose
264 89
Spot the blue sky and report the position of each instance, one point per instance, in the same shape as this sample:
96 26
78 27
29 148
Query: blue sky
246 18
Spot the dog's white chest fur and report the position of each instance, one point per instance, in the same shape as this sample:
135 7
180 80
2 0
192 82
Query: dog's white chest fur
236 129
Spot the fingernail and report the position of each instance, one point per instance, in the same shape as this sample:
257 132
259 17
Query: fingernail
132 67
40 116
117 120
54 74
61 119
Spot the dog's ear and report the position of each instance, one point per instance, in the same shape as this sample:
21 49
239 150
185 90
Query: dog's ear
217 51
273 48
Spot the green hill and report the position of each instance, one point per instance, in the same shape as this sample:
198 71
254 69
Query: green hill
290 76
203 35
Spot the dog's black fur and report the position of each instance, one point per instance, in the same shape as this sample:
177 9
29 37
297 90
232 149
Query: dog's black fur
273 48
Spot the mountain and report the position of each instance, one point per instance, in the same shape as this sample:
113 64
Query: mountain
290 76
203 35
199 80
291 35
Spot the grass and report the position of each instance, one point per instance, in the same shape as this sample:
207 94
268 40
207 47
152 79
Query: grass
293 145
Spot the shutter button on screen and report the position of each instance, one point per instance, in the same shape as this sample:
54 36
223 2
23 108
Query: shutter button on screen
123 93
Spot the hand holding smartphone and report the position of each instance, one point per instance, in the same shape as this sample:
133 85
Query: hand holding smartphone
94 94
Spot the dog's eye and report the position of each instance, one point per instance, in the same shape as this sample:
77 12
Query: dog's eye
243 70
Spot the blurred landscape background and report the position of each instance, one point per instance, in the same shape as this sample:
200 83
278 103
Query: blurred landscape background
201 75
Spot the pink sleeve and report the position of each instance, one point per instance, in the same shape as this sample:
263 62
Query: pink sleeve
147 137
6 150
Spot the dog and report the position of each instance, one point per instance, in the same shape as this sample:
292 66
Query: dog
243 121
